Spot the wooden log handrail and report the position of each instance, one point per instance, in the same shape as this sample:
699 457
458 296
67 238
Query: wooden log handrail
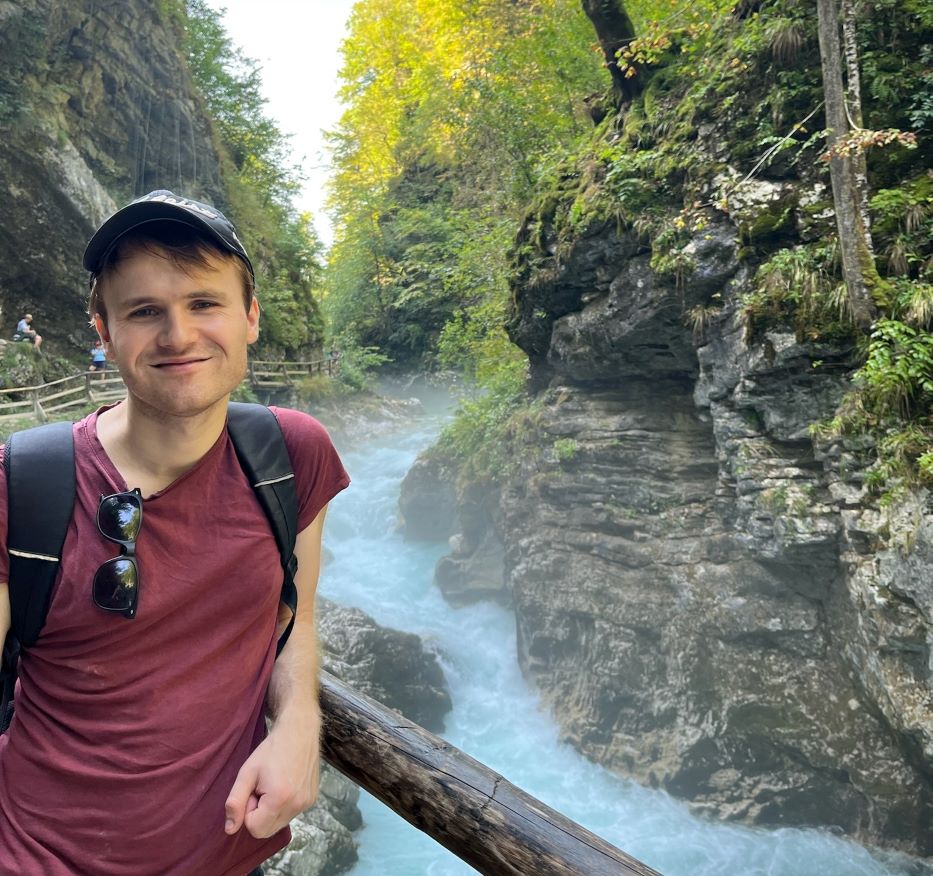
474 812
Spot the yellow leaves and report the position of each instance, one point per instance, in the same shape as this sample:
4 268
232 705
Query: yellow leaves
861 139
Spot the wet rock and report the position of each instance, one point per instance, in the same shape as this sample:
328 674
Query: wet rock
358 418
427 501
322 837
472 572
388 665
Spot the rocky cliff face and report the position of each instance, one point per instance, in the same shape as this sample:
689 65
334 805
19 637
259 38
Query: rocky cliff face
96 107
701 593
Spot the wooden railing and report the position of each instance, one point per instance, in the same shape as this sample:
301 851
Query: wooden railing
270 374
469 809
67 393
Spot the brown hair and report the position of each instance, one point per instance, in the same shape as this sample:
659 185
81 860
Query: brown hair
184 246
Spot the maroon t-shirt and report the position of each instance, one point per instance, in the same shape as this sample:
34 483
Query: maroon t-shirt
128 734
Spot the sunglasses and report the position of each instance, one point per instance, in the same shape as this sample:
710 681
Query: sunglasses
116 582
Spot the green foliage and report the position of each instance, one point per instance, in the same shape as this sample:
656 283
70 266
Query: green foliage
453 111
21 365
474 342
231 85
799 287
565 449
892 405
244 393
897 377
318 388
903 227
399 283
484 436
358 364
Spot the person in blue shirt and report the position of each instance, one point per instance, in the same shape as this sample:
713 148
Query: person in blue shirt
25 331
98 357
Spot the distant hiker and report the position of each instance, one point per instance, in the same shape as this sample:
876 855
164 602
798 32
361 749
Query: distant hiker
25 331
139 742
98 357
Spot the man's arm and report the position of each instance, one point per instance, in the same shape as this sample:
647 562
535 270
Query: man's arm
4 612
280 778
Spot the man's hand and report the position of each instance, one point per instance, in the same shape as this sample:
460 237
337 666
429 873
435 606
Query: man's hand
279 780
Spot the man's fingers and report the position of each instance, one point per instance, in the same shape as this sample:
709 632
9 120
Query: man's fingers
238 799
264 819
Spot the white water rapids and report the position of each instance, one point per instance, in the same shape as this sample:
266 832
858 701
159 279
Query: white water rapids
497 719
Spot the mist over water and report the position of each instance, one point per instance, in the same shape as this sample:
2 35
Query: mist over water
497 719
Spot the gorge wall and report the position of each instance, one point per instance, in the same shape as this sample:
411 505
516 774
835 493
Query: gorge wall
96 107
709 601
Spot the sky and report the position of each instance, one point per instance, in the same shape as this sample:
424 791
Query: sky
297 46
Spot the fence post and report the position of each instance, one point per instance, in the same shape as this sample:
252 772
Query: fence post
36 406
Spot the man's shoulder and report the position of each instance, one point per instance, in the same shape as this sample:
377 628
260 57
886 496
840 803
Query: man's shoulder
298 424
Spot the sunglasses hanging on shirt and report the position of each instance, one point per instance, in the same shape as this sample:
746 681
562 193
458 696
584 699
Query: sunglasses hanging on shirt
116 582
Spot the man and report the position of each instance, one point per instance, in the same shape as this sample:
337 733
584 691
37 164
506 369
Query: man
139 744
25 331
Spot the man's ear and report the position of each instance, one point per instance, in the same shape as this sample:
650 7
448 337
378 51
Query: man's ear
101 325
252 319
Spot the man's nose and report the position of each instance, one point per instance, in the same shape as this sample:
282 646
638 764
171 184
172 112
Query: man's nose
178 328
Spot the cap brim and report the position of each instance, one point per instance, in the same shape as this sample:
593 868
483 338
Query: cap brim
134 215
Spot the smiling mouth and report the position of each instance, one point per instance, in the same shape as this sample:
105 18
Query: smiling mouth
179 363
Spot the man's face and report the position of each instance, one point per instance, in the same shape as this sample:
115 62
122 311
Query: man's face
179 337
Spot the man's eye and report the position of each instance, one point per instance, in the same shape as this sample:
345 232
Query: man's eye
142 312
204 305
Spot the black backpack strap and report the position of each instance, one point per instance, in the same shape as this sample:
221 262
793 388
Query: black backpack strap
40 476
263 455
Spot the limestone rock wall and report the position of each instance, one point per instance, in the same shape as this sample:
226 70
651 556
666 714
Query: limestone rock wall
701 593
96 107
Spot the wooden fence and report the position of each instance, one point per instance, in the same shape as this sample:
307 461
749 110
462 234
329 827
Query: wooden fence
76 392
270 374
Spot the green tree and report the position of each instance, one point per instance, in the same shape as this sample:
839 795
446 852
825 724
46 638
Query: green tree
454 111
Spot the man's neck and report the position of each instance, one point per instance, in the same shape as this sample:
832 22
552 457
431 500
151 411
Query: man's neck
152 450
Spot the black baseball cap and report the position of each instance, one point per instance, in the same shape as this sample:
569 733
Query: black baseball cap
163 206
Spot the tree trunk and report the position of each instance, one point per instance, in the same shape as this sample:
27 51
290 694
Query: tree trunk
857 262
615 30
854 104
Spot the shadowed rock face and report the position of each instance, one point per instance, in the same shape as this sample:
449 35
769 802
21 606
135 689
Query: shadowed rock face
96 107
681 650
701 594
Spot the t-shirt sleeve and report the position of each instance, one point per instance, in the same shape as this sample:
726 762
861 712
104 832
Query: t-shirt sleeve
319 473
4 556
